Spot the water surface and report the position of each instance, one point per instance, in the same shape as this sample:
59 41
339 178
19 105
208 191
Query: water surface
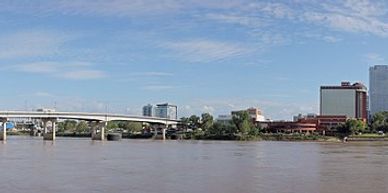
81 165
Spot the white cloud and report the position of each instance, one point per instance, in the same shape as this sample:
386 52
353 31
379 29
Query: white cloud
275 10
349 23
70 70
374 58
157 87
151 74
83 74
331 39
242 20
359 16
366 7
200 50
32 43
95 8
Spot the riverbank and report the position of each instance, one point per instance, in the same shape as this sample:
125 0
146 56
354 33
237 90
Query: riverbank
229 137
262 137
368 137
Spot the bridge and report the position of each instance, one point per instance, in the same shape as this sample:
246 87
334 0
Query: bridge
99 120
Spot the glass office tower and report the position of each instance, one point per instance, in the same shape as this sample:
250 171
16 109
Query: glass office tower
378 88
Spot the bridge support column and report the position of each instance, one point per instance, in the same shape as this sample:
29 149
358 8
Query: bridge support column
50 135
103 125
4 134
101 134
54 127
155 130
164 133
44 126
93 129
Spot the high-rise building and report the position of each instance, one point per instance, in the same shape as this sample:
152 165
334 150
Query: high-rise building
166 111
148 111
378 88
348 99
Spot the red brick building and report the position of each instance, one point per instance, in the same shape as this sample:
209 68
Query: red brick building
290 127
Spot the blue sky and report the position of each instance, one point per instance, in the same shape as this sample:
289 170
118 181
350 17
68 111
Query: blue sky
203 55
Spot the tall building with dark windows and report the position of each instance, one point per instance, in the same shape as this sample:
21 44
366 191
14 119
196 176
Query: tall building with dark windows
148 111
348 99
165 110
378 88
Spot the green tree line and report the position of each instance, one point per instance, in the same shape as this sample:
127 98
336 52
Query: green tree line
84 127
204 127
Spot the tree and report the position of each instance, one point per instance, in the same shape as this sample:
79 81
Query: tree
69 125
134 127
207 121
184 122
82 127
379 122
194 122
61 127
112 125
351 126
219 129
255 131
242 121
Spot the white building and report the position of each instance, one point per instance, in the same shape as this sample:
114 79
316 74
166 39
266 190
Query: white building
254 113
347 99
161 110
148 111
166 111
378 85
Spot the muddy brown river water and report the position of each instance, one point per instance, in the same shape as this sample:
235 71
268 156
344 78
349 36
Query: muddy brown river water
146 166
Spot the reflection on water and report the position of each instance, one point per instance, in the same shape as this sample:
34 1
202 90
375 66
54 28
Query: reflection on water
82 165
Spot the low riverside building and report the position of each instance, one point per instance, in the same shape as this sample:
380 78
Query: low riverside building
324 123
306 124
291 127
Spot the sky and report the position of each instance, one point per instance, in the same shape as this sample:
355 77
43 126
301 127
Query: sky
202 55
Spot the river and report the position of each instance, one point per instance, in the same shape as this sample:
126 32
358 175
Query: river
146 166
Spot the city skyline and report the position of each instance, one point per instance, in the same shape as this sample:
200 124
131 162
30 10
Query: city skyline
204 56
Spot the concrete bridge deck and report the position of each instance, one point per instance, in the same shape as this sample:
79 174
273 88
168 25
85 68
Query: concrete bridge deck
100 118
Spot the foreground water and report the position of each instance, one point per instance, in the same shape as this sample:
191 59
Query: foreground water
80 166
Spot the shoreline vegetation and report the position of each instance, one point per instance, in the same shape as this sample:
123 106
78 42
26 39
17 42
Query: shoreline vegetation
296 137
196 136
240 128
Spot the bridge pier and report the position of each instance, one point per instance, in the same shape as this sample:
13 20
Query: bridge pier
4 133
101 126
163 128
50 136
44 126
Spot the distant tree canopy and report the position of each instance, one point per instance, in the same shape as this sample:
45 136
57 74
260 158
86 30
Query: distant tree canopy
73 126
129 126
67 126
82 127
194 122
242 121
379 122
133 127
207 121
352 126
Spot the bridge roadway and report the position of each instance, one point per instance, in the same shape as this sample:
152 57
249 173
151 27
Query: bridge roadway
100 120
